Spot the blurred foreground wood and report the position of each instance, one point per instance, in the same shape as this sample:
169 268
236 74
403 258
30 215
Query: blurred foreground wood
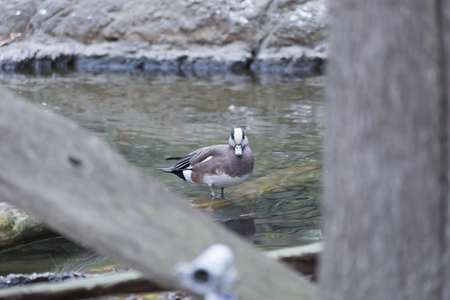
386 182
302 258
74 183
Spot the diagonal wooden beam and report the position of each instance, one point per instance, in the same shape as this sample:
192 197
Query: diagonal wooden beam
74 183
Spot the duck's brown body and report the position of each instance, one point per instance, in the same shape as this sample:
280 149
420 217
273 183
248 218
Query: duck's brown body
217 166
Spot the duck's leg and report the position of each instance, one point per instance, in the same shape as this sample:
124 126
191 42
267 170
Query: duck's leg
222 193
212 191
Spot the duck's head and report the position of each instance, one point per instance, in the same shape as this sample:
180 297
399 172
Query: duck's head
238 141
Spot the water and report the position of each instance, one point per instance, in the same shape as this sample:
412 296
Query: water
149 118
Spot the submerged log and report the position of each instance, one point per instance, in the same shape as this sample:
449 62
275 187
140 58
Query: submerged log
295 176
74 183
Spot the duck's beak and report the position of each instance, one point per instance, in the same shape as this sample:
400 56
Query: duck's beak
238 150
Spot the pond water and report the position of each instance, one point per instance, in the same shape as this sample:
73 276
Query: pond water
149 118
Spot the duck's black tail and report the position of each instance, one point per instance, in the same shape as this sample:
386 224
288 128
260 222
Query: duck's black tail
179 173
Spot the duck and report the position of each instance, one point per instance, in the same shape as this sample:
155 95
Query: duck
217 166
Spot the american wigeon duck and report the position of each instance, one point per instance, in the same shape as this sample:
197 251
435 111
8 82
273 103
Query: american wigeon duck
217 166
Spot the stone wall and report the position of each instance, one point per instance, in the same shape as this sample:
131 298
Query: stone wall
148 35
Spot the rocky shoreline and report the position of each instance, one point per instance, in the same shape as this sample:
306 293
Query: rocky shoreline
176 37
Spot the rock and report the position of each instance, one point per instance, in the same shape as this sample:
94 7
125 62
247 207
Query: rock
295 38
16 227
147 35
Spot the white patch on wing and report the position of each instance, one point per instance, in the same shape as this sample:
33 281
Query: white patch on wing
238 135
206 159
223 180
187 174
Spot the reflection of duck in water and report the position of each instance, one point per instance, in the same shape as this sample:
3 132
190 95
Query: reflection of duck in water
236 218
217 166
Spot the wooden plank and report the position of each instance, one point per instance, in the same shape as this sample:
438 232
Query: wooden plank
132 281
444 35
385 154
73 182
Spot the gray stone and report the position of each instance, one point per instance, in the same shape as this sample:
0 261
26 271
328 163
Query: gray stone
116 32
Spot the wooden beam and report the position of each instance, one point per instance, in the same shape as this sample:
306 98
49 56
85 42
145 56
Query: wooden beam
386 157
73 182
443 19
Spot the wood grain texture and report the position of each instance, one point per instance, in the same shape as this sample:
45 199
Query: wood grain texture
74 183
444 34
385 155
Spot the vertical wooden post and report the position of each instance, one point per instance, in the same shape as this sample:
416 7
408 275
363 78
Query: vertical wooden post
444 22
386 152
